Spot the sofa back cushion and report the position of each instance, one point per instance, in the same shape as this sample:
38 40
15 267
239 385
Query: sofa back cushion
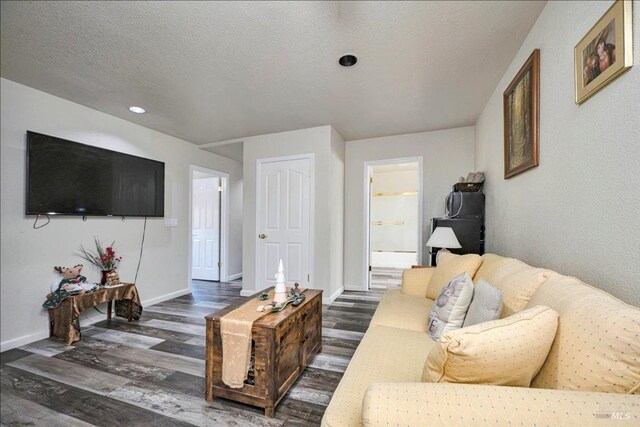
449 266
517 281
501 352
597 346
415 281
490 263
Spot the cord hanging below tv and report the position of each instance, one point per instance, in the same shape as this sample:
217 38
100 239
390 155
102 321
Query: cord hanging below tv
69 178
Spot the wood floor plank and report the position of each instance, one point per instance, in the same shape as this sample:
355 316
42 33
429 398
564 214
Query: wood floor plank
196 341
136 328
17 411
70 373
126 338
107 362
330 363
13 354
174 318
175 326
175 311
348 335
47 347
350 326
182 349
175 362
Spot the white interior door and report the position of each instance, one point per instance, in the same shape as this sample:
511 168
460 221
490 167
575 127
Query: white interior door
284 221
205 233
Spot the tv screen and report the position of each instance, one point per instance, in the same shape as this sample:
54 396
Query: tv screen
69 178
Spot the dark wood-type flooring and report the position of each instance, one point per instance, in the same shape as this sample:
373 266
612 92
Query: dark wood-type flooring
151 372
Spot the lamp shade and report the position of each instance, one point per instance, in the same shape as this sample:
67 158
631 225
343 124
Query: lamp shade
443 237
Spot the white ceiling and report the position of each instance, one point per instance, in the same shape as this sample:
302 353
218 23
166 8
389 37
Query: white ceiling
214 71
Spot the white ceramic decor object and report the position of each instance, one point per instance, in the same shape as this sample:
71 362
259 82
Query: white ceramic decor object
281 288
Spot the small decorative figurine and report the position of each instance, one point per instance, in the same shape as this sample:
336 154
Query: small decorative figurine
71 279
72 283
281 287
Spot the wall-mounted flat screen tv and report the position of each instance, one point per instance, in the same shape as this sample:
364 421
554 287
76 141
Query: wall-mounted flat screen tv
69 178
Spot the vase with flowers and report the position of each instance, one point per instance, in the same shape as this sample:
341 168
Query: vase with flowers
105 259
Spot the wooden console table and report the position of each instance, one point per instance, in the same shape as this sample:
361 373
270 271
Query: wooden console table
64 320
284 344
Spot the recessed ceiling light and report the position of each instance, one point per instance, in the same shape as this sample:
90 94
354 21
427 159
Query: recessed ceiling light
137 110
348 60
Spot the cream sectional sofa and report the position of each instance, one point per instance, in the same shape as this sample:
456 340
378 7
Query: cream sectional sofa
590 377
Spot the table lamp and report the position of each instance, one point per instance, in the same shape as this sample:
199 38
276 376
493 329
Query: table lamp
444 238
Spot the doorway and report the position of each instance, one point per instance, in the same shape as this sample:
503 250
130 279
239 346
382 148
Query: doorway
208 224
284 206
394 226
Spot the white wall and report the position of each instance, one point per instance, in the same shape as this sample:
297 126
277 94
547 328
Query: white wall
447 154
28 255
577 212
317 141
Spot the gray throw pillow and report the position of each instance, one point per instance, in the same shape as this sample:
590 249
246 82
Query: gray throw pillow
486 304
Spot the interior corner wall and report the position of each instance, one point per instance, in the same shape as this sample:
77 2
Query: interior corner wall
316 141
336 206
577 212
447 155
28 255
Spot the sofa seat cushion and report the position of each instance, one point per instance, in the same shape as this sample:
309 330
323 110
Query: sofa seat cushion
384 355
507 352
398 310
597 346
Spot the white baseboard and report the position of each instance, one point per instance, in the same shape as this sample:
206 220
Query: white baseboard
332 298
234 276
88 321
247 292
166 297
23 340
353 288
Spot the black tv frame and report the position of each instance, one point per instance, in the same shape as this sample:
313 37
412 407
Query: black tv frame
27 212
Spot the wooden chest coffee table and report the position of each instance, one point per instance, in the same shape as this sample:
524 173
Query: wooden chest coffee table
283 345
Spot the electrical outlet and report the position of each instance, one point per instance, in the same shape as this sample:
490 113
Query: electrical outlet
171 222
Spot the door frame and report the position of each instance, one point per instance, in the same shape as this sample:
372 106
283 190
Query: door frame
312 204
368 169
224 219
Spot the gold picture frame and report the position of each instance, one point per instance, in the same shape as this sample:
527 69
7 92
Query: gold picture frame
521 103
605 52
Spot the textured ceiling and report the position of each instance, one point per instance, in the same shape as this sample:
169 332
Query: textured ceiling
213 71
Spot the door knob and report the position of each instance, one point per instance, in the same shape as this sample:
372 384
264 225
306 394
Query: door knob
262 236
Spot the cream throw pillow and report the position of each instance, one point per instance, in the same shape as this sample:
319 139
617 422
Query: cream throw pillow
449 266
507 352
450 308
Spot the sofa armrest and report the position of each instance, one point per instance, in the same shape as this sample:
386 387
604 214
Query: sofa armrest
415 281
427 404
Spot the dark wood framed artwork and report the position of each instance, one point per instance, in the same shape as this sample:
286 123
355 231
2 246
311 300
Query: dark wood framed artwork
522 119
